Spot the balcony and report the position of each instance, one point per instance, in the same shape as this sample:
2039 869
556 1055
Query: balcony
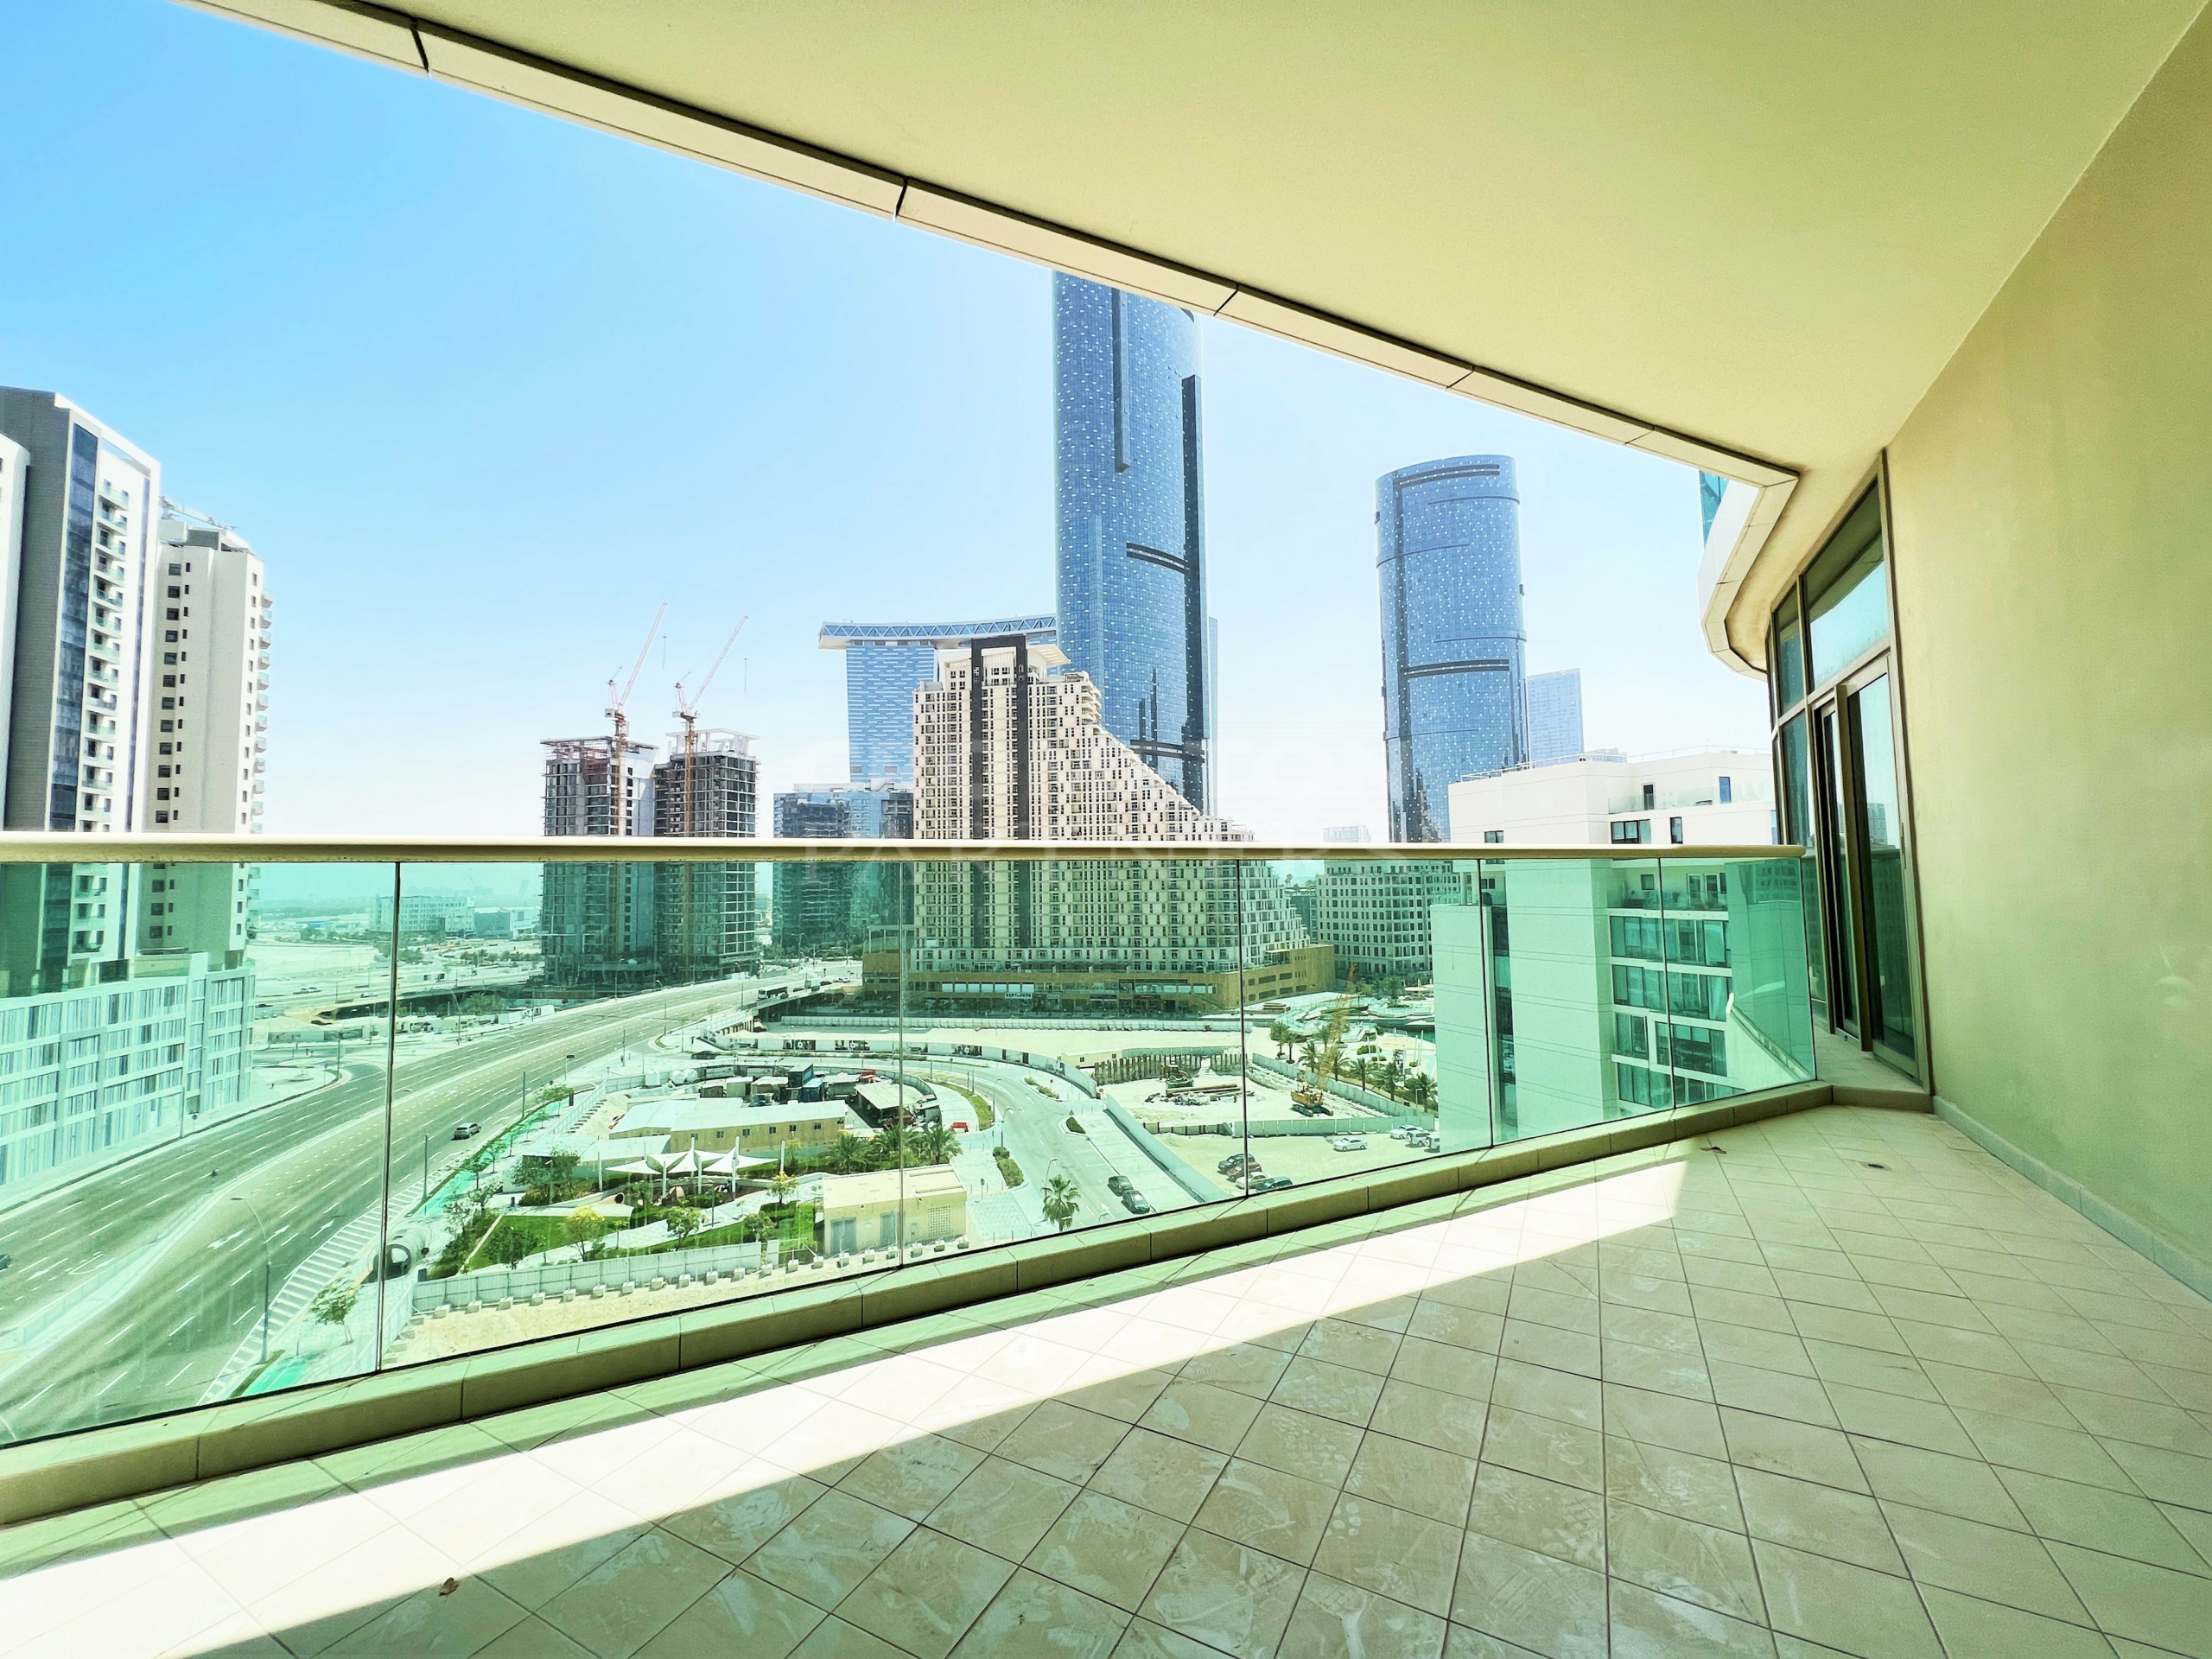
1060 1265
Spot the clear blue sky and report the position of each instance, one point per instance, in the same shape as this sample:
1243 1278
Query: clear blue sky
484 389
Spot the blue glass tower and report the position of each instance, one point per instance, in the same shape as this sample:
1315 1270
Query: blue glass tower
1455 699
884 662
1130 508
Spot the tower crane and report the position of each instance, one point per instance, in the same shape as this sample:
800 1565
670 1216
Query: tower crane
687 710
618 703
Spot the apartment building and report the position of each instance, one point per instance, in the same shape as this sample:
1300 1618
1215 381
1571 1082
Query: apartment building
825 907
1695 797
597 921
706 919
1007 750
1375 916
206 756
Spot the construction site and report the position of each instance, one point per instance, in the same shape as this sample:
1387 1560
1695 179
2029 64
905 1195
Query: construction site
627 925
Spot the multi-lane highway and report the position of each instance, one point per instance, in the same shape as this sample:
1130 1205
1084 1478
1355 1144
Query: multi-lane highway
185 1232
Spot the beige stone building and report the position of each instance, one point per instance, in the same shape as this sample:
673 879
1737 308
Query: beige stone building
861 1212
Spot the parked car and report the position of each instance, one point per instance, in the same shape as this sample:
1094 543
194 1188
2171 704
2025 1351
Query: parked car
1136 1203
1267 1184
1119 1186
1241 1165
466 1131
1405 1132
1349 1142
960 1126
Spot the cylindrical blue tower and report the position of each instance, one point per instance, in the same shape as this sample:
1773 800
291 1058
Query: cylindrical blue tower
1130 508
1455 699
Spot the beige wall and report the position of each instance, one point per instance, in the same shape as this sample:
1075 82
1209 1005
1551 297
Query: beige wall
2053 514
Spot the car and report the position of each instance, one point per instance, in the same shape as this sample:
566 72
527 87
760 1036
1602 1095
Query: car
960 1126
1349 1142
1235 1163
1119 1186
1405 1132
6 1260
1268 1183
466 1131
1136 1203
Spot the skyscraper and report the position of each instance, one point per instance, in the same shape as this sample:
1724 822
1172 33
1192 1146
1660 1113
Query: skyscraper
597 920
142 965
1130 509
1555 717
213 606
706 919
883 664
1454 698
81 652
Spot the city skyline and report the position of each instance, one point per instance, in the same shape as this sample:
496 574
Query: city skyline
411 482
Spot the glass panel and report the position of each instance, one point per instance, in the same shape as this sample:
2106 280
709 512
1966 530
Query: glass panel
1889 885
1835 793
1734 938
1799 827
1846 597
1788 656
1576 1003
1344 1072
191 1104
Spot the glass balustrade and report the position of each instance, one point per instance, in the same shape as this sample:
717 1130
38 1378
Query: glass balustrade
274 1124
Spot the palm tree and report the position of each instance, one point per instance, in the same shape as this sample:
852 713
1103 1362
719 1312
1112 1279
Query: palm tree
848 1155
1359 1070
1309 1055
1060 1202
1282 1037
1420 1089
888 1149
1394 1076
935 1144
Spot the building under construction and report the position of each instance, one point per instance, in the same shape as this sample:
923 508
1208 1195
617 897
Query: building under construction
707 920
598 923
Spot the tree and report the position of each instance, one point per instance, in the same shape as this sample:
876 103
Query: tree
682 1223
848 1155
888 1149
1309 1055
938 1145
781 1183
1420 1090
334 1301
585 1229
1282 1037
508 1245
1394 1076
1060 1202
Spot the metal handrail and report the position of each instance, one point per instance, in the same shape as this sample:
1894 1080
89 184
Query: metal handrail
25 848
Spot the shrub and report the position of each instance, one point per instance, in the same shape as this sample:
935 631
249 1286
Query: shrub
1009 1172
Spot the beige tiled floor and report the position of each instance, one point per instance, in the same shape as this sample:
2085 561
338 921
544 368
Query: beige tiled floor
1845 1385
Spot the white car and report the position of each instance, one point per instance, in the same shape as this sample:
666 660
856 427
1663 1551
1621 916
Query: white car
1349 1142
1404 1132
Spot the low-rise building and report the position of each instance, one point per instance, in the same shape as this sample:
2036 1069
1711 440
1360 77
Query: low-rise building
1710 798
862 1212
757 1129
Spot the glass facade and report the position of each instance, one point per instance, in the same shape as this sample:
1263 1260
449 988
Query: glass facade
1555 717
1455 699
1130 512
823 908
883 664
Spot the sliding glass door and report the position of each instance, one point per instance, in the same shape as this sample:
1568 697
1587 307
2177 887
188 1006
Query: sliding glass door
1838 739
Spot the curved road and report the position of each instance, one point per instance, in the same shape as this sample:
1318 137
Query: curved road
267 1186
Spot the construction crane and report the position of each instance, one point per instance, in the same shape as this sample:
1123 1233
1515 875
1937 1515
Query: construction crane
618 703
687 710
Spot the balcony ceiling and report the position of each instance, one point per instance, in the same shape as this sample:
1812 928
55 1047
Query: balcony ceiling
1766 225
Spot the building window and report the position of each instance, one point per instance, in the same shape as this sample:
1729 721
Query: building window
1494 837
1650 797
1727 791
1633 831
1675 831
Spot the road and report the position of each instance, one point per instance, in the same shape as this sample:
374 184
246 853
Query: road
267 1186
1032 1127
